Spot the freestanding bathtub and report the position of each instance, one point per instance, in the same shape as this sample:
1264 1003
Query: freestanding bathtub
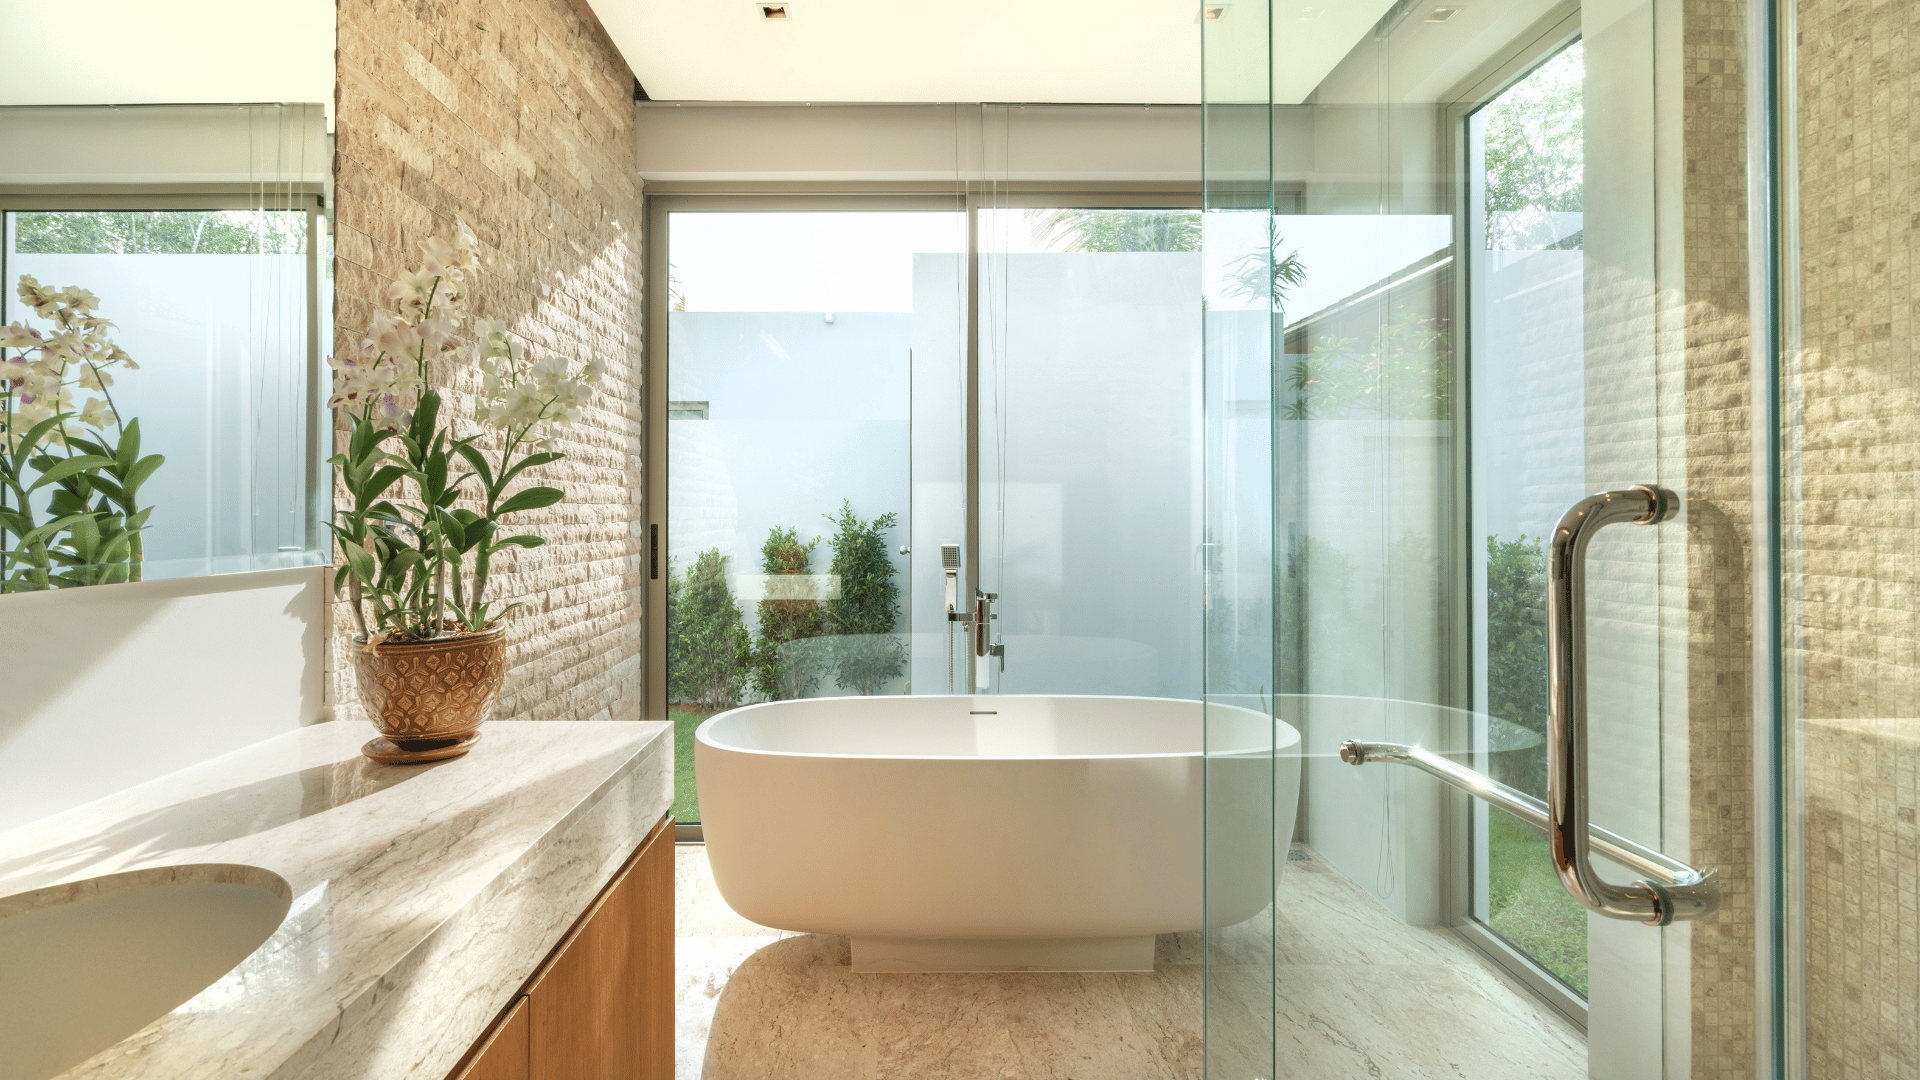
1014 833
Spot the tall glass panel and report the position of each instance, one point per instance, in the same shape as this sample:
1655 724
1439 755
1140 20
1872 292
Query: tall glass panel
1090 344
1252 764
1525 160
798 346
1506 268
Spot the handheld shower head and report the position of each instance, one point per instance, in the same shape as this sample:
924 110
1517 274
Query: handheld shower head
950 563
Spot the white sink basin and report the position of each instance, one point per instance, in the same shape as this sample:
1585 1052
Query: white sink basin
84 965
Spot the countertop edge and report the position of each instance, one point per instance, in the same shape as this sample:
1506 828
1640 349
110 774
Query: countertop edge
451 1042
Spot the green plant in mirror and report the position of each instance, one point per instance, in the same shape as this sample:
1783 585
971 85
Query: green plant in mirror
70 512
418 543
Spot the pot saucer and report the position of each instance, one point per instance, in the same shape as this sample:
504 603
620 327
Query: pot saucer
386 751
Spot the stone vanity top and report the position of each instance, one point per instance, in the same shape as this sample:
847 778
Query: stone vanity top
422 895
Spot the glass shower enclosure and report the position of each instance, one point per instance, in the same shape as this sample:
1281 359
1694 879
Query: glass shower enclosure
1480 537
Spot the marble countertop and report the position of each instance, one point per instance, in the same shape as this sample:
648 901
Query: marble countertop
415 888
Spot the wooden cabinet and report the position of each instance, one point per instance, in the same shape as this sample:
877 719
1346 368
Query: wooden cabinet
601 1007
502 1053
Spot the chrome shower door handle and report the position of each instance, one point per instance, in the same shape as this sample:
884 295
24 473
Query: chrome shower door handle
1568 831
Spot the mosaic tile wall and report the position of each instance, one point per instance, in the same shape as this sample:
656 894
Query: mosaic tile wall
1719 533
1859 608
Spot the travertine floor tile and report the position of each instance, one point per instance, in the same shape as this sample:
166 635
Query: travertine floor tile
1355 994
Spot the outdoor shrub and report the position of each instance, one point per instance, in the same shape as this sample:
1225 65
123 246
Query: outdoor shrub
866 652
785 673
1517 653
709 655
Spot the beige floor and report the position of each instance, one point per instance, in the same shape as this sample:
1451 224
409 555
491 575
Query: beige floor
1358 994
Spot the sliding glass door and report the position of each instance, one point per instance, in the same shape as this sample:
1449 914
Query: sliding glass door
855 454
797 344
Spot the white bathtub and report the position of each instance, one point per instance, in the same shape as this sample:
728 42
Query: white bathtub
1009 833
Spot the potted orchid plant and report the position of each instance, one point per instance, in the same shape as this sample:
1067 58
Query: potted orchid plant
69 496
426 507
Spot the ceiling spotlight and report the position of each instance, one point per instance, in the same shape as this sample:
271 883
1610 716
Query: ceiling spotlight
1211 12
774 12
1442 14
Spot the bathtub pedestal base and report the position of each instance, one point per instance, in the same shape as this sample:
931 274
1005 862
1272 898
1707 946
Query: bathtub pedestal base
905 955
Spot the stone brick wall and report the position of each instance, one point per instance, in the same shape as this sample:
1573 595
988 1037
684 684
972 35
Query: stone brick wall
1856 565
516 116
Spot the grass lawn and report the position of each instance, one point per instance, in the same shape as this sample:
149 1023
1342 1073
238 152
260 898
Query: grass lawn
686 799
1527 904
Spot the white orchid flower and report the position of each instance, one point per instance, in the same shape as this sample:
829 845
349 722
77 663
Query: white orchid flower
96 413
594 372
19 336
392 336
92 378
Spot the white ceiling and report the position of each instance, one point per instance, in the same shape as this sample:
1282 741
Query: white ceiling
1131 51
144 52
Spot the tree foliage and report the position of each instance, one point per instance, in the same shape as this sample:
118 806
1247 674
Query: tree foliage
780 673
867 652
1517 653
1265 276
1533 140
1090 229
160 232
1403 369
709 654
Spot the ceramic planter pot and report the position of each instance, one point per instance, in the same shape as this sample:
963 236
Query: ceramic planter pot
429 698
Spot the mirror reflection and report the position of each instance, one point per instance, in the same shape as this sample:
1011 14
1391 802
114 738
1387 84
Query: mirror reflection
168 279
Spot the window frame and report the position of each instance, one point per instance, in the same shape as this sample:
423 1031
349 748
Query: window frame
280 196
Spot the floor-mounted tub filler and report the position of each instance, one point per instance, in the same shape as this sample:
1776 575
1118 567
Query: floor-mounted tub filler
1005 833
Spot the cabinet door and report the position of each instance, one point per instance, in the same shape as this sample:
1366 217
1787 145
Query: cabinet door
603 1009
504 1055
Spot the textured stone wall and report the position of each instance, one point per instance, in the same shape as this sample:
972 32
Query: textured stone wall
516 116
1857 560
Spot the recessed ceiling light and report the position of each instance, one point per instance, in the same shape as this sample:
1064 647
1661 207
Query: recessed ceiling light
1309 12
1211 12
1442 14
774 12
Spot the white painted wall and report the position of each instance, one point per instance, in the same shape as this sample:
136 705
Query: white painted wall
160 144
917 142
110 686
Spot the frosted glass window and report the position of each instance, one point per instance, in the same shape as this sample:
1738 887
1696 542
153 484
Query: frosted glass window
217 307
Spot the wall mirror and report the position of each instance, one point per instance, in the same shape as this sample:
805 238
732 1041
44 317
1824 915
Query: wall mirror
166 250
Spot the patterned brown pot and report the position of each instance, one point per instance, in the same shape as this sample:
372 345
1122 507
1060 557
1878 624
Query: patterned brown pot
429 698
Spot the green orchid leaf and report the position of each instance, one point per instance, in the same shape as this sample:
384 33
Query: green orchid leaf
138 473
69 467
454 530
520 541
529 462
129 449
359 563
478 460
375 485
531 499
425 419
32 439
